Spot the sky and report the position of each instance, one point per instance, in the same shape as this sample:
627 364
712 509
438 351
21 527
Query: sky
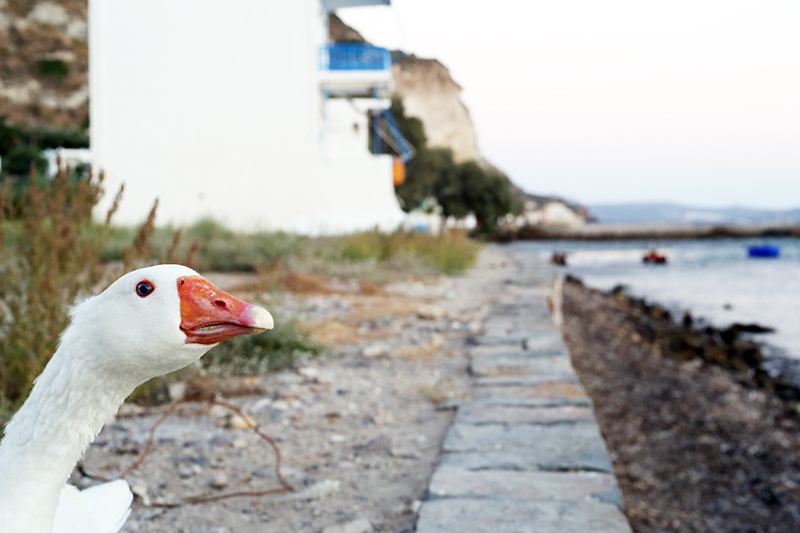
612 101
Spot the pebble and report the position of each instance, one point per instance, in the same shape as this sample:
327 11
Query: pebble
359 525
241 422
261 404
310 372
264 471
220 440
431 312
176 391
375 350
319 490
219 481
280 405
240 443
380 445
139 489
189 471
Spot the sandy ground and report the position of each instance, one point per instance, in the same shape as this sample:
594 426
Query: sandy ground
358 429
693 448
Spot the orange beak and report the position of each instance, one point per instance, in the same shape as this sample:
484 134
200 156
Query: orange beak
210 315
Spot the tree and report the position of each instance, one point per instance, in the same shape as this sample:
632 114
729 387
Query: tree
460 189
423 173
469 188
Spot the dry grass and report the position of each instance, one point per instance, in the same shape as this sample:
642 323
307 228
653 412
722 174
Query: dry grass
422 351
304 283
336 332
53 259
378 306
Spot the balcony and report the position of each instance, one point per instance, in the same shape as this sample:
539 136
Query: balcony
354 56
352 68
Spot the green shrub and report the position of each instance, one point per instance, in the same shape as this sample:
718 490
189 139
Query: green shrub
52 67
59 138
19 160
223 250
259 354
10 137
449 253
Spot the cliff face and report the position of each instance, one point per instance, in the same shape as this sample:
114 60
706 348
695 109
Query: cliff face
339 32
430 94
44 62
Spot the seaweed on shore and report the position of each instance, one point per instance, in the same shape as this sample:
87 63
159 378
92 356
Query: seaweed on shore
731 348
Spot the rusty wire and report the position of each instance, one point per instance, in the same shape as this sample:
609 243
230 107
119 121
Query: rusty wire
285 486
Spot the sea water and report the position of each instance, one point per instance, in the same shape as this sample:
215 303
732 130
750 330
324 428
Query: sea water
714 279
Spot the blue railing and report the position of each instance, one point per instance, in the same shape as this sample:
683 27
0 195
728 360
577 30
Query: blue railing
391 133
354 56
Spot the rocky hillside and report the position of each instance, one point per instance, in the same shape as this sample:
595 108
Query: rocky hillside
430 94
44 62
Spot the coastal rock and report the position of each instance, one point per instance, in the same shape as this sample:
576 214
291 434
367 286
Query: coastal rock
430 94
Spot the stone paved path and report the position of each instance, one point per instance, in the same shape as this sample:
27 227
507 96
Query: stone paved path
526 454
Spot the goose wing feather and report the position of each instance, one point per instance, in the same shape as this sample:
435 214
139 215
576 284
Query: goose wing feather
99 509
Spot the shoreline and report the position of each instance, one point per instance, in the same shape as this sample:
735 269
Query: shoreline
735 348
699 437
651 231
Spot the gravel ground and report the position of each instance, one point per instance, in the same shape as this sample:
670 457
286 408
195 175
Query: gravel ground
359 431
693 448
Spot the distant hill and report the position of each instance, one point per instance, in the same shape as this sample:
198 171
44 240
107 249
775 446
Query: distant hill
677 214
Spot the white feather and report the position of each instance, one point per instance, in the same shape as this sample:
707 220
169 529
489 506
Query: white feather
99 509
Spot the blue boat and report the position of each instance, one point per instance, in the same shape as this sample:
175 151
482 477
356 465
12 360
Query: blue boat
765 250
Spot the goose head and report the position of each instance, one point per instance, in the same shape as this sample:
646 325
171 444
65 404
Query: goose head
158 319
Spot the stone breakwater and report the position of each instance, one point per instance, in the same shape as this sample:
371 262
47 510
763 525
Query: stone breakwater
525 454
735 348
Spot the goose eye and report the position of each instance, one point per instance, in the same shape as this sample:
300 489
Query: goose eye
144 288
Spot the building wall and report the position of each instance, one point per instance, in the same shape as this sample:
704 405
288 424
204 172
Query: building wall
215 109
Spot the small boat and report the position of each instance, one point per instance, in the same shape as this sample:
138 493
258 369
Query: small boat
764 250
654 257
559 258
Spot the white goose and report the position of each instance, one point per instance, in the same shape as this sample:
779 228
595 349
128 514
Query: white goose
147 323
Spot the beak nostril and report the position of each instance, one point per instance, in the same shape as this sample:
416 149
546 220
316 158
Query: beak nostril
220 303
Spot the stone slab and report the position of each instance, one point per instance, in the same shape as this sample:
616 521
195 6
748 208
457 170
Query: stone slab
476 414
515 365
534 308
539 390
541 441
453 481
514 336
516 516
515 402
523 381
575 456
552 350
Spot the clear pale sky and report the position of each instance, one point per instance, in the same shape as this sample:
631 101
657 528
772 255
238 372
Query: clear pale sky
696 102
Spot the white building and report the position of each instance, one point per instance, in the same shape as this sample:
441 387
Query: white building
239 111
